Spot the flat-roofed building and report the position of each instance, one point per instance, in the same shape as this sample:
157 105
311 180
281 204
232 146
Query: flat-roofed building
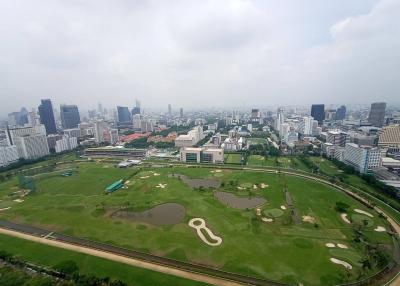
202 155
363 158
32 146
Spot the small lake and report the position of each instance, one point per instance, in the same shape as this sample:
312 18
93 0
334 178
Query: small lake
165 214
237 202
197 183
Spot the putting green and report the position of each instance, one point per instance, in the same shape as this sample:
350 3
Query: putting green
362 220
273 213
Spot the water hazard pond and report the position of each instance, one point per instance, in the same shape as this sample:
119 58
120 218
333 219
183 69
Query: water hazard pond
237 202
164 214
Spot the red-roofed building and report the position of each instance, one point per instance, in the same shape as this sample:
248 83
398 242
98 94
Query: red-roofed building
131 137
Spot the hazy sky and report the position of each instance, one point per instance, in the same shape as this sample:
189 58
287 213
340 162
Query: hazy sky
198 53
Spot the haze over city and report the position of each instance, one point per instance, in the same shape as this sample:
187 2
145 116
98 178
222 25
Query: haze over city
199 53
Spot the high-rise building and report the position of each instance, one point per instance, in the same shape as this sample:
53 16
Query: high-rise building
135 110
389 138
341 113
19 118
99 127
181 112
318 112
47 116
32 146
66 143
124 115
363 159
8 155
337 138
377 114
12 133
306 126
69 116
169 110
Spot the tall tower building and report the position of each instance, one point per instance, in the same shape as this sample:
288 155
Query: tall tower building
47 116
123 114
169 110
377 114
318 112
69 116
341 113
181 112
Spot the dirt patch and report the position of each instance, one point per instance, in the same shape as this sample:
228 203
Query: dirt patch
197 183
380 229
165 214
239 202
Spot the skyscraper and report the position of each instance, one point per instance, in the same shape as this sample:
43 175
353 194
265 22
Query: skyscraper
47 116
341 113
69 116
318 112
124 115
169 110
181 112
377 114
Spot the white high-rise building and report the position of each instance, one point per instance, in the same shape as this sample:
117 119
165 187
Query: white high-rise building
12 133
362 158
306 126
114 137
66 143
99 127
280 119
8 155
31 146
284 130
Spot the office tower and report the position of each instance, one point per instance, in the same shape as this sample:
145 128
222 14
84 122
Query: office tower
338 138
169 110
32 146
19 118
318 112
8 155
47 116
123 114
100 109
66 143
341 113
135 110
377 114
280 119
181 112
69 116
12 133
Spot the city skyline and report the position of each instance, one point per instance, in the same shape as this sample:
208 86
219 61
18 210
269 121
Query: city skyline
244 52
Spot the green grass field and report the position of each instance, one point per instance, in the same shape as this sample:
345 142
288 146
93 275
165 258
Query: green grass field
256 141
280 250
48 256
232 158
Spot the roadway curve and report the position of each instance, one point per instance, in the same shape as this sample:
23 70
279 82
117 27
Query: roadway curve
214 277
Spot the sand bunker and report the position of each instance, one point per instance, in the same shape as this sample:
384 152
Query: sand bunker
200 225
380 229
145 177
265 219
240 188
345 218
263 186
255 187
18 201
283 207
239 202
161 186
363 212
216 171
332 245
258 211
156 174
341 262
4 209
307 218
